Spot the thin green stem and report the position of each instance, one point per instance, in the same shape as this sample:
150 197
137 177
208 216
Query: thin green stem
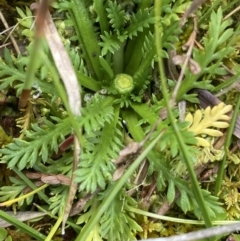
80 41
31 70
33 60
176 220
226 148
109 75
41 194
231 81
63 96
73 225
230 6
33 63
113 190
25 196
102 15
118 59
54 228
22 226
195 186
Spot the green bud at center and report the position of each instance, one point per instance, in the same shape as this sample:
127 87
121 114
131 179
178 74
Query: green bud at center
123 83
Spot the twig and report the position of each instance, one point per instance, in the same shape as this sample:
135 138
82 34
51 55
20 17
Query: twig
190 45
4 45
79 206
179 78
73 184
231 13
194 6
187 61
206 233
11 37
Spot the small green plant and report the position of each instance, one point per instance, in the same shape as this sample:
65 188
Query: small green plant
114 51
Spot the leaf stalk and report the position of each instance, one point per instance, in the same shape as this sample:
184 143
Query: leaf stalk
182 145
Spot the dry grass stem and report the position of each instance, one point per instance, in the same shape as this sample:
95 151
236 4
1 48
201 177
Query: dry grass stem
10 35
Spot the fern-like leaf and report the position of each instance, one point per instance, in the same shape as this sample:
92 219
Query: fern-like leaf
96 166
170 34
184 201
89 210
40 142
97 112
148 43
169 37
13 74
170 142
116 15
15 190
27 18
9 71
94 235
142 19
201 123
109 44
213 205
214 49
77 59
171 191
187 202
58 199
119 225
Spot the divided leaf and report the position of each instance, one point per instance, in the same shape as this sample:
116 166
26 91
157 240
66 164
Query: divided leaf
109 43
23 153
117 223
13 74
140 20
96 113
201 123
100 149
215 48
116 15
10 73
42 141
16 189
58 199
184 201
170 192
